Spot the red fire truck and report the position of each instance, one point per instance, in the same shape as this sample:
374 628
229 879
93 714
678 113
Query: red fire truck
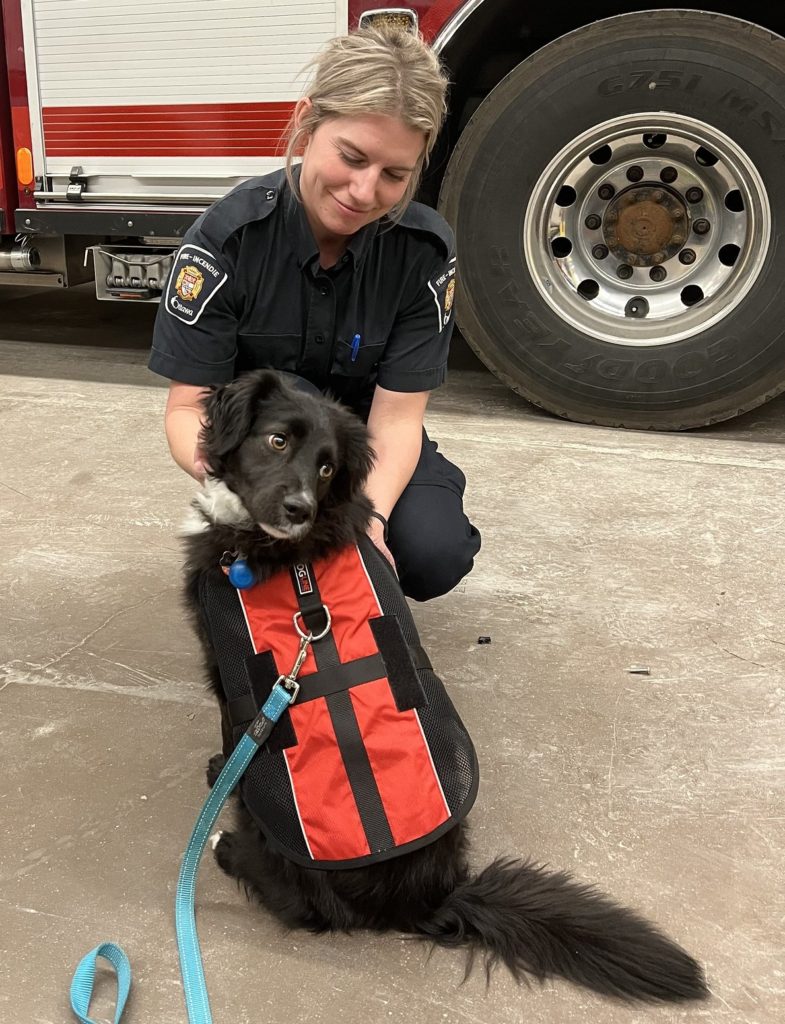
614 172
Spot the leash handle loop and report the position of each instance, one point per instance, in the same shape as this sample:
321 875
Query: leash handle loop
84 978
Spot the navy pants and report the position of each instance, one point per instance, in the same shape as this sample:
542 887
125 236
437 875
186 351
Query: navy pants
430 538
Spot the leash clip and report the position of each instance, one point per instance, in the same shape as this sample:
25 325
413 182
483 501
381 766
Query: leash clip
289 681
291 686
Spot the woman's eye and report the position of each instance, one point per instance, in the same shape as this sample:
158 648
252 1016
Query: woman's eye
277 442
398 178
353 161
326 471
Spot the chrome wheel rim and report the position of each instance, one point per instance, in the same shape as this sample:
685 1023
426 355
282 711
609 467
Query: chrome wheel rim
647 229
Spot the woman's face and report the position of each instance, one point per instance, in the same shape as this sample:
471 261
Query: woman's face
354 170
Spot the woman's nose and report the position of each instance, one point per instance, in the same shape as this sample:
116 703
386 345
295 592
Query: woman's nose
363 186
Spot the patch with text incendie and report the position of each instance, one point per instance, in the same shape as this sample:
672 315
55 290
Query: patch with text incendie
195 279
443 288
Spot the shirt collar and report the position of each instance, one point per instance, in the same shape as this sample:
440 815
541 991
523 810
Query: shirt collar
301 237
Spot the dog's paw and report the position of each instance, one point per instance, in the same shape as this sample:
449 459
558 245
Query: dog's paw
214 768
224 849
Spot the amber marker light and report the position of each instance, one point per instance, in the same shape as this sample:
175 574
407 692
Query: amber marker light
24 166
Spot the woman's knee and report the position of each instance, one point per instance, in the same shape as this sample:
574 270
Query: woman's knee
432 563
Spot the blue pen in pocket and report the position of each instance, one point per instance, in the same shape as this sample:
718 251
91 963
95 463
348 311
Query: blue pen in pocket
355 347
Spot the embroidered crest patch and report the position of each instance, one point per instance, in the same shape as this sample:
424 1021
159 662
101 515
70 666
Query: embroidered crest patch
189 283
448 297
195 279
443 288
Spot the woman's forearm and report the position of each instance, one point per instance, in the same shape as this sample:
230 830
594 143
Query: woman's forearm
395 428
183 425
396 459
182 432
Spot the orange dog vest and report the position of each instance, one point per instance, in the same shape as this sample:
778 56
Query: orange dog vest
372 760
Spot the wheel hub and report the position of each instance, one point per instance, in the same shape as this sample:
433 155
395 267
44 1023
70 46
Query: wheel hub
645 226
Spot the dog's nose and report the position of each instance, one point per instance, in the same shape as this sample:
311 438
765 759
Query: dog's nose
299 508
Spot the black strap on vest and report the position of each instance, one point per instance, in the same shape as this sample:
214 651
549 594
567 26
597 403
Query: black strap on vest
344 721
307 593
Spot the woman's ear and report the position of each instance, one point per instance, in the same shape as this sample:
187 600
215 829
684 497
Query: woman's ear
302 112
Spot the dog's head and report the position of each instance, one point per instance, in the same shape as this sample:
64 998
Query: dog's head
292 459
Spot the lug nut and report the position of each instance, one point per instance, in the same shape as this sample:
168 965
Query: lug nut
606 191
592 222
668 175
701 226
687 256
599 252
658 273
624 271
694 195
634 173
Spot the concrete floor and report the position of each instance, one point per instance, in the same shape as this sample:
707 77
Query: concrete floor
602 550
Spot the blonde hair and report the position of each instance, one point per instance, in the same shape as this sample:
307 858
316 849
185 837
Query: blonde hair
375 70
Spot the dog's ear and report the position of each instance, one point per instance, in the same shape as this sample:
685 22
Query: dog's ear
230 411
356 456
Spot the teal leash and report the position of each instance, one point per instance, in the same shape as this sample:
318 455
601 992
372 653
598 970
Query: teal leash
194 987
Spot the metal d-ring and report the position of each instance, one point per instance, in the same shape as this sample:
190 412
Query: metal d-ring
310 637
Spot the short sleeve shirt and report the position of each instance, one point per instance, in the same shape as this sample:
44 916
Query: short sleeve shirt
247 291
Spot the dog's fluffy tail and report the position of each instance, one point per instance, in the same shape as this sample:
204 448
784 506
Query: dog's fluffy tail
543 924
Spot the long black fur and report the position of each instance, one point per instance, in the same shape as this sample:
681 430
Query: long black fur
537 922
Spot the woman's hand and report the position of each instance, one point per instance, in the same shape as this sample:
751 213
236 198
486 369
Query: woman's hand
376 533
201 466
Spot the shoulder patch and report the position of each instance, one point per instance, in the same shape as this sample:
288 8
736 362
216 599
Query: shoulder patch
443 288
196 277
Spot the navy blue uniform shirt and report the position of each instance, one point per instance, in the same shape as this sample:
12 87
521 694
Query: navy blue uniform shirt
247 291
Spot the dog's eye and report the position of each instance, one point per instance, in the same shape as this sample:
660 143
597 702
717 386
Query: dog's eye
326 470
277 441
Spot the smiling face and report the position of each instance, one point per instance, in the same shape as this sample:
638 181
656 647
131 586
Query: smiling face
354 170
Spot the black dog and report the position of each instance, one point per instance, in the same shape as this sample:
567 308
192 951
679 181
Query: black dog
287 472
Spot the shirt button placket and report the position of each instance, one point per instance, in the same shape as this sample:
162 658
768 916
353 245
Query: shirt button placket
320 328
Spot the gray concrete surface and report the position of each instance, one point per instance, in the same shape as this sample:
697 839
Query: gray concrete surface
602 549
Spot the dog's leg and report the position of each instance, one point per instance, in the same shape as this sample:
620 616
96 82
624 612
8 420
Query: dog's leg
291 893
214 768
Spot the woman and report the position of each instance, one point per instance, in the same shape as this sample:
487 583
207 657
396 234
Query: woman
327 270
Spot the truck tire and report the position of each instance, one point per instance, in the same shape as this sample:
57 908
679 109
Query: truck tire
619 201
